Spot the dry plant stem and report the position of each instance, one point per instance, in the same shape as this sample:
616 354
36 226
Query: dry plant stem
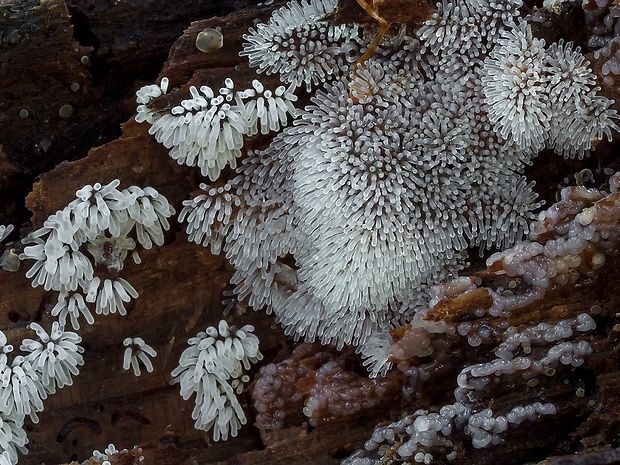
383 26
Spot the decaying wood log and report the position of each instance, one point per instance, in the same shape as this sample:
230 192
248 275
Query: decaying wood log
86 58
106 49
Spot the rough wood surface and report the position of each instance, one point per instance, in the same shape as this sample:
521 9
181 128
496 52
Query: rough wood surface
181 285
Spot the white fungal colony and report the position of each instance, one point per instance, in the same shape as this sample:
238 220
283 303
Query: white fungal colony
377 186
79 253
208 130
46 363
95 232
12 439
212 367
538 97
393 170
55 357
137 351
287 44
5 231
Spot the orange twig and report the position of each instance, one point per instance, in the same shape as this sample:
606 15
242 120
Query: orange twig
383 26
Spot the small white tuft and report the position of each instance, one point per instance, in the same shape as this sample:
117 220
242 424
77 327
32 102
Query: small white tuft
12 439
537 97
298 45
111 296
55 356
580 117
137 351
71 304
208 129
514 86
21 391
96 230
212 367
5 231
269 108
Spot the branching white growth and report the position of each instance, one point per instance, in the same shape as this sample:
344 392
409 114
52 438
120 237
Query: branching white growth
298 45
396 167
270 109
4 349
5 458
371 184
111 295
12 439
469 26
411 177
510 216
514 85
212 367
107 454
376 353
5 231
205 210
57 265
580 116
21 394
21 391
97 208
539 97
137 351
95 232
71 304
207 130
150 211
257 221
55 356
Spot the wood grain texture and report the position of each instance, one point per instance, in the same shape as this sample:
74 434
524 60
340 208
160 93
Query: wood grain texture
181 285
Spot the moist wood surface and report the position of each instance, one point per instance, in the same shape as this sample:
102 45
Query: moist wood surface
181 285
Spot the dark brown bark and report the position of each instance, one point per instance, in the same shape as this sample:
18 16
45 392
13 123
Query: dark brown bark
181 285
